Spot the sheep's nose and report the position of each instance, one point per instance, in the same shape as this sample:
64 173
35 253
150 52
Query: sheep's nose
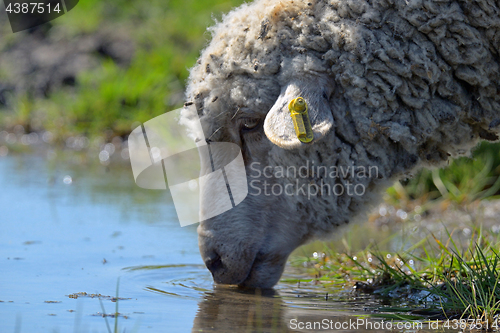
213 262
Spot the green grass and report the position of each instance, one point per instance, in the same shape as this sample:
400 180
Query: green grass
168 36
464 181
436 278
472 286
116 314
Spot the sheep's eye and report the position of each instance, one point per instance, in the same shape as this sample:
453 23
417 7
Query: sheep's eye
250 123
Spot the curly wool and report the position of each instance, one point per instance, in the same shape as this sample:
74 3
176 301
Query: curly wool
414 81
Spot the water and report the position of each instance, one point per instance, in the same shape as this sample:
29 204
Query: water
69 226
58 239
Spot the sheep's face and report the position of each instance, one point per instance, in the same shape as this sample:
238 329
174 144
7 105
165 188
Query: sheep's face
249 244
241 87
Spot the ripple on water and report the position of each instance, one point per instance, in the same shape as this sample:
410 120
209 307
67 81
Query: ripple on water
228 308
181 280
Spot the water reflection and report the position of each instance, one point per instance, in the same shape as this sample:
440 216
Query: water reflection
287 308
229 309
304 307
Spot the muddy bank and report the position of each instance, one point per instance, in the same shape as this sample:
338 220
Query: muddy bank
41 60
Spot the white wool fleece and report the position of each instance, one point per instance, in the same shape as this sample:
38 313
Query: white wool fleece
414 81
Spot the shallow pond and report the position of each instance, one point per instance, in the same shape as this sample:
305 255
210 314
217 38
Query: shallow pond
72 228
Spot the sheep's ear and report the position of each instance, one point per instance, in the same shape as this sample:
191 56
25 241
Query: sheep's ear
279 125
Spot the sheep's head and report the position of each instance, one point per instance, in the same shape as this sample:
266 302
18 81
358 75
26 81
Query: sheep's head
242 94
242 87
249 244
382 90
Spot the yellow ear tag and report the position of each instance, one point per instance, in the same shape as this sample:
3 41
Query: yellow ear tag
301 122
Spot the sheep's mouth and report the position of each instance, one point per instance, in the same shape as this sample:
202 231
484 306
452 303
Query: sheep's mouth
259 277
250 271
222 273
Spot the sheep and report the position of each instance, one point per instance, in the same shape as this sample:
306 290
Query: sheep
390 86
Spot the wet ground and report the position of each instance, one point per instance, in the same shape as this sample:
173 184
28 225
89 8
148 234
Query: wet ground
72 229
